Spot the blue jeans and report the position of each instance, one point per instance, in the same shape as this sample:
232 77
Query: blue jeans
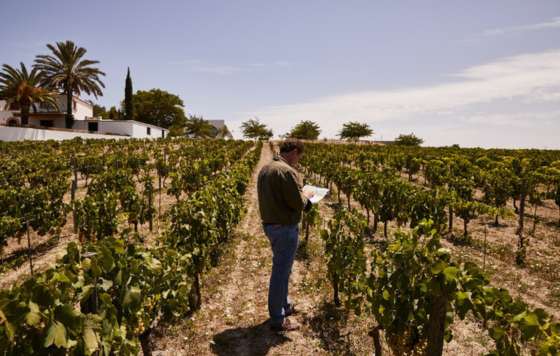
284 241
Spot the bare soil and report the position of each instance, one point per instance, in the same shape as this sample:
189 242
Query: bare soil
233 317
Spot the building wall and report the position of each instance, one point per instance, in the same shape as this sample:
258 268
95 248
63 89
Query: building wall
116 127
23 133
82 110
123 127
140 131
5 115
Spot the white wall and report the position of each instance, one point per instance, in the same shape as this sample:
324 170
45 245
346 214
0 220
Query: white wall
123 127
140 131
116 127
82 110
5 115
107 127
22 133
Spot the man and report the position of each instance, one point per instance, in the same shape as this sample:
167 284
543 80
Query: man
281 202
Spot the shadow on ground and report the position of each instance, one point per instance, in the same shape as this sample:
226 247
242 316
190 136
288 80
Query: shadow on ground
254 341
302 254
327 324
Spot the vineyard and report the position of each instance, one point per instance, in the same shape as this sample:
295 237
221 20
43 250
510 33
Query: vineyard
413 283
160 248
114 284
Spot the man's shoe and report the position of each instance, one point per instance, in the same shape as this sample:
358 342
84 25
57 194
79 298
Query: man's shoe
290 310
287 325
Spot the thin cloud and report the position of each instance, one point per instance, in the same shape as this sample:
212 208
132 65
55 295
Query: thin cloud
554 23
497 86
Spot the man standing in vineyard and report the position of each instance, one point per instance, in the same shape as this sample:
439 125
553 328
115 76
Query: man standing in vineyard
281 202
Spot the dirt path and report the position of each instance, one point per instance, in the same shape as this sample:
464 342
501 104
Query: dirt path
233 316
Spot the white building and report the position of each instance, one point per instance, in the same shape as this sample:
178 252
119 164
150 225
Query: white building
52 119
130 128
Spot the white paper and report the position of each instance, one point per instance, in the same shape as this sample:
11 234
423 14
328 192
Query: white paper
318 193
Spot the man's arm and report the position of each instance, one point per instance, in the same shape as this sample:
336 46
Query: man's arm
292 193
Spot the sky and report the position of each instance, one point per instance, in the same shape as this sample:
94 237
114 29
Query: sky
473 73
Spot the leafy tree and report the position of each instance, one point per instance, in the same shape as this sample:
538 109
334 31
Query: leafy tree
114 114
67 70
100 111
158 107
409 140
197 126
253 128
305 130
353 130
21 90
128 104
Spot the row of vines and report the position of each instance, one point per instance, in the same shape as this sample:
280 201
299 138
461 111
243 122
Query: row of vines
409 283
111 288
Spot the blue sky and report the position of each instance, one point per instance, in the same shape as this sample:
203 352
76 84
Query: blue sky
476 73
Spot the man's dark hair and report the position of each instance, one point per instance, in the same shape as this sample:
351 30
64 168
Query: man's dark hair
290 145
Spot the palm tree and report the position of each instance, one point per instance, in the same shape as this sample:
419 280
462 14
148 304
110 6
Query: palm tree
224 132
21 90
253 128
198 127
66 70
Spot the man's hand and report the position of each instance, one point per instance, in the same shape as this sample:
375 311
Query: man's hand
308 194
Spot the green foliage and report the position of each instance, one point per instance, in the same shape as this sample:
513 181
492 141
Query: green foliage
344 252
104 295
414 288
408 140
114 114
22 89
355 130
158 107
66 70
254 129
128 98
198 127
305 130
100 111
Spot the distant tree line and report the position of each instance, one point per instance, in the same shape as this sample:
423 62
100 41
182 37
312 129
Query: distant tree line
310 130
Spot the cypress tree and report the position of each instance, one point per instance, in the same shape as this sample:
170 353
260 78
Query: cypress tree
128 107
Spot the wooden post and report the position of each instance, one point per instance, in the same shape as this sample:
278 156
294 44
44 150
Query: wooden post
484 256
436 326
377 341
73 197
29 253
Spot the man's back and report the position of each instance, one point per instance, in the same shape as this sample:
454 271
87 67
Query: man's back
280 198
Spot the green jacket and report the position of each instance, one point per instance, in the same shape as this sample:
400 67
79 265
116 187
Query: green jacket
281 200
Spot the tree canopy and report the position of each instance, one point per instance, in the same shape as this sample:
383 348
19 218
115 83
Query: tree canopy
353 130
255 129
100 111
158 107
67 70
22 89
197 126
408 140
305 130
128 94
